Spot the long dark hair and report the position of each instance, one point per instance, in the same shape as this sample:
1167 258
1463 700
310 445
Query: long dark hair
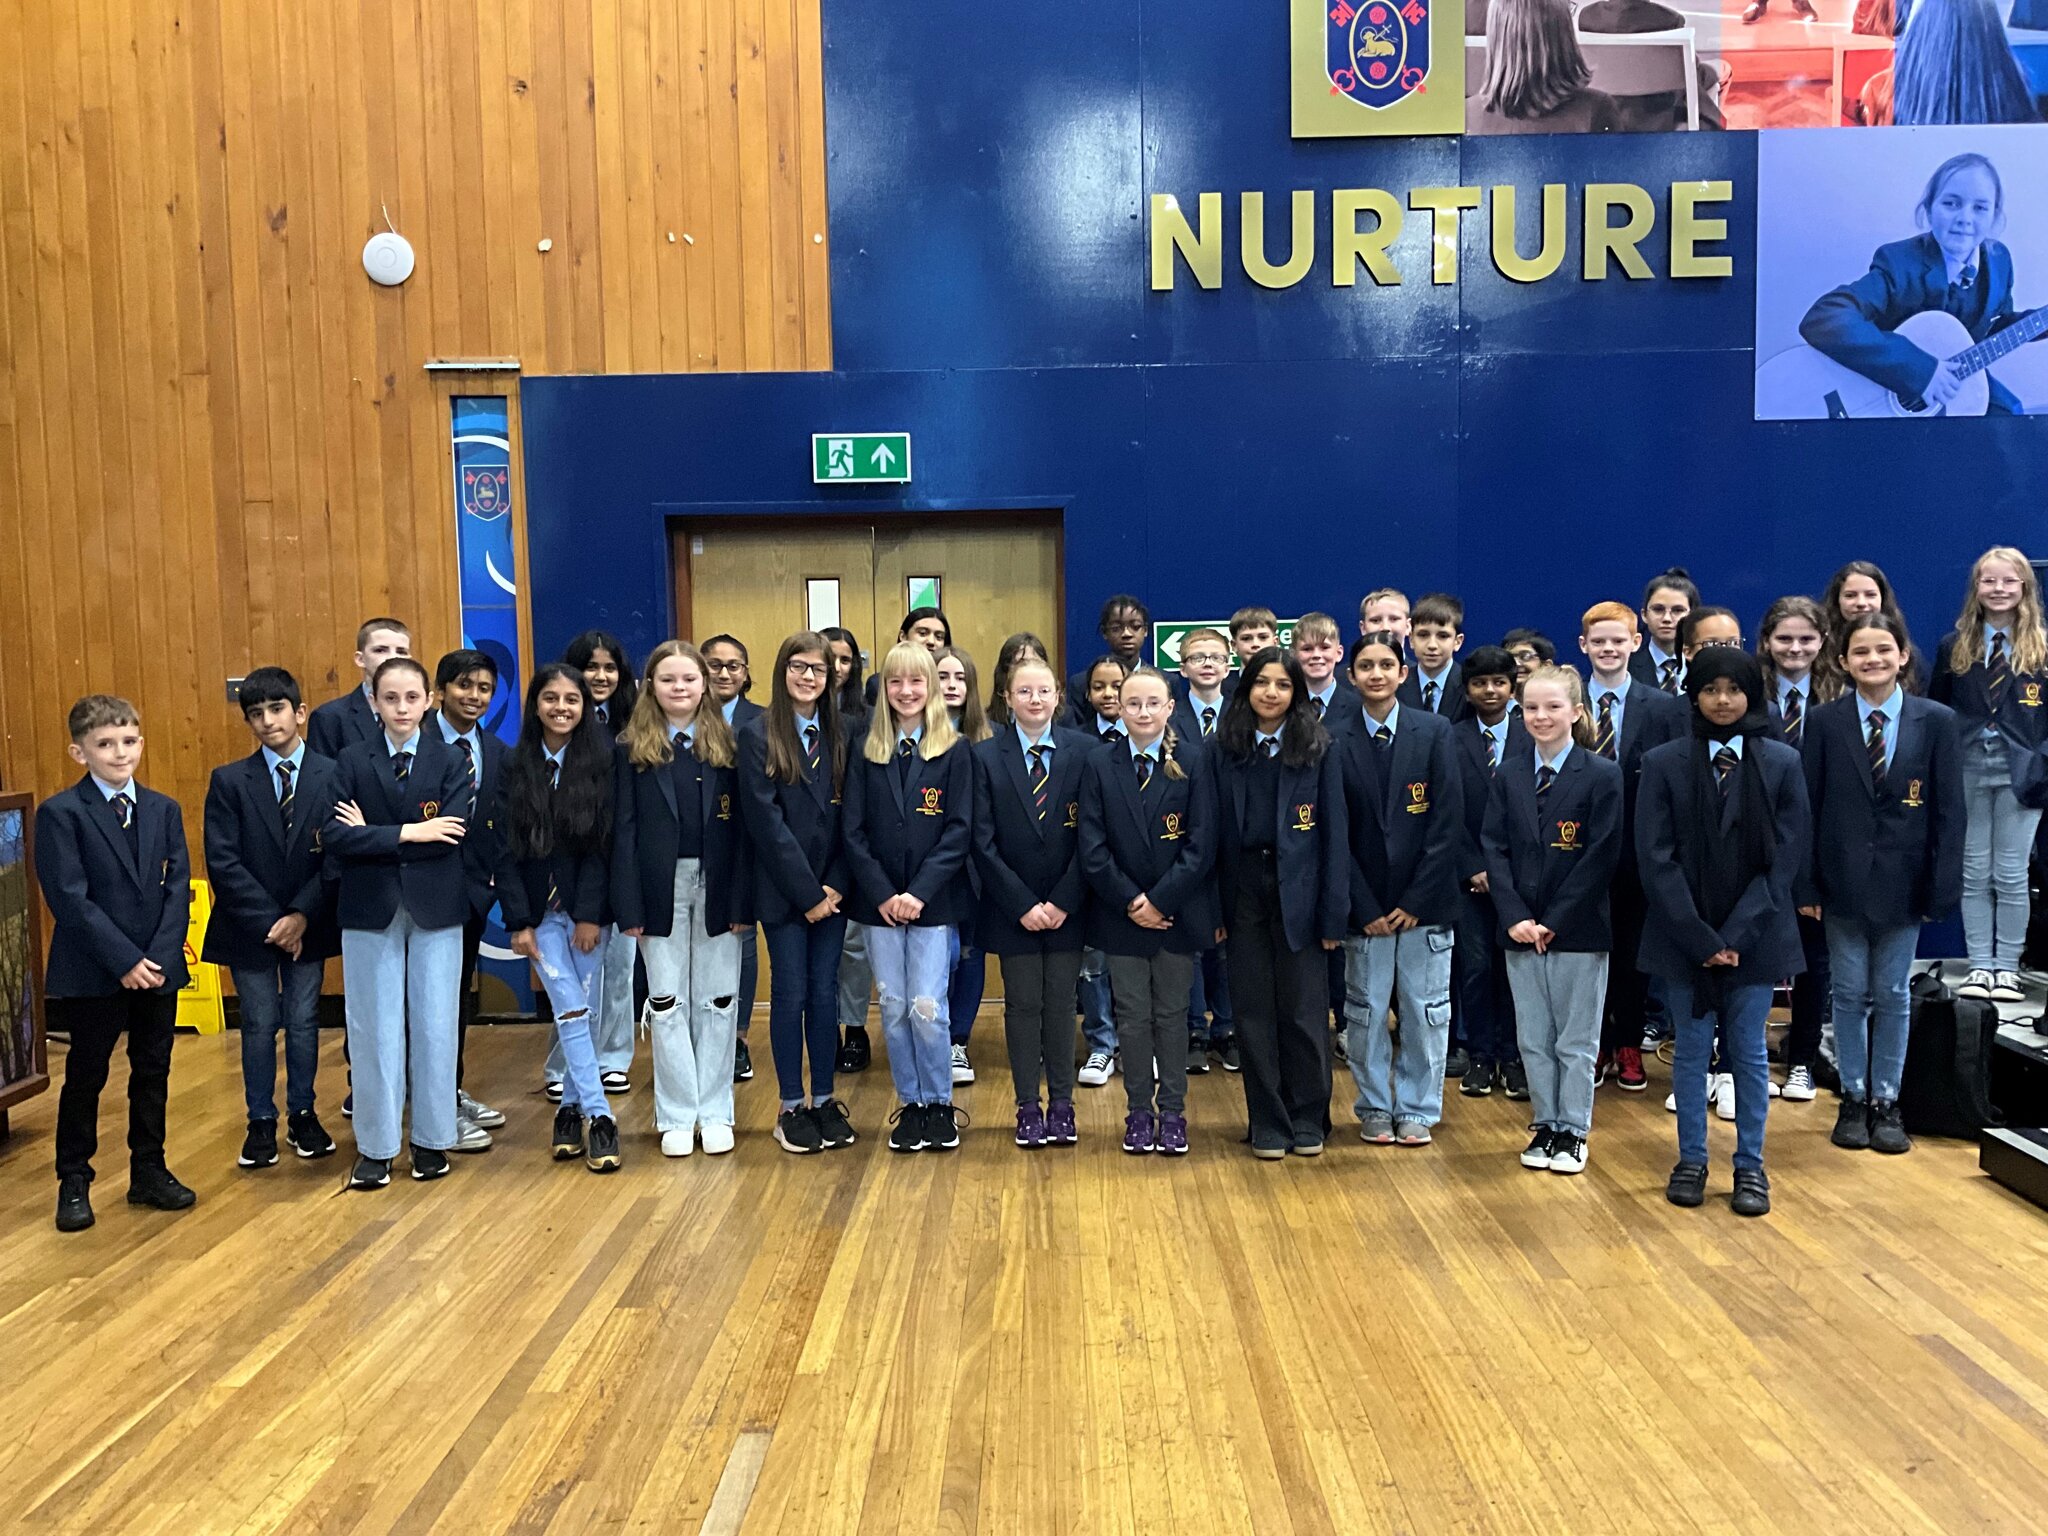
577 815
586 645
852 701
785 754
1302 737
1019 645
1839 627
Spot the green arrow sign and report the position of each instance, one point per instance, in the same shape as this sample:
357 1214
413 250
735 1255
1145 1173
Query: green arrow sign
850 458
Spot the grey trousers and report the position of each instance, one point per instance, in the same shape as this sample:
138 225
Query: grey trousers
1150 997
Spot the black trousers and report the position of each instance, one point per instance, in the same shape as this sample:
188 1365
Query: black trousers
1281 997
472 940
1810 997
1038 1022
95 1023
1628 989
1485 1003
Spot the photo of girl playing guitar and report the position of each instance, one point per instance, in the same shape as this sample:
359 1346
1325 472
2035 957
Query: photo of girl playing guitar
1917 333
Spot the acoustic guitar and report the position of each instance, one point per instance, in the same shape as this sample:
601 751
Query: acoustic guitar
1803 384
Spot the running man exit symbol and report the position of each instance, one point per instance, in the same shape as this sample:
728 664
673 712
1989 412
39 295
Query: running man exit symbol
857 457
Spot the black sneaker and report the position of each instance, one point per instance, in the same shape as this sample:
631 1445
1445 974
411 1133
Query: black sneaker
796 1130
1752 1193
1198 1059
370 1173
1888 1128
1478 1080
158 1188
1537 1153
906 1133
854 1050
1225 1052
348 1105
1457 1063
602 1154
1852 1125
941 1127
1514 1082
742 1063
74 1203
1826 1075
834 1129
567 1143
1688 1185
308 1137
259 1147
429 1163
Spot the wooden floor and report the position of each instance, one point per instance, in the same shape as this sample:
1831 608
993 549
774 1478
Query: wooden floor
1072 1340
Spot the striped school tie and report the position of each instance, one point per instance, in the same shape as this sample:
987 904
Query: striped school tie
1667 675
1429 697
1997 671
1874 744
1270 746
1208 719
811 746
1603 732
401 766
285 797
1319 707
1725 763
1144 773
554 902
468 757
124 810
1492 751
1382 737
1040 778
1795 716
1545 777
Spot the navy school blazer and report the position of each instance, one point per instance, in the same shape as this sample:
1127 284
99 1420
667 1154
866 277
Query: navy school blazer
646 833
917 840
1403 845
340 723
796 830
483 846
1022 860
1311 839
1187 719
258 876
2018 716
1894 858
110 907
1556 869
379 874
1161 844
1764 926
1642 666
1475 782
579 878
1649 718
1452 705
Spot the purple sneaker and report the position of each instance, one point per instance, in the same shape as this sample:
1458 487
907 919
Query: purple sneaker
1173 1135
1030 1126
1060 1129
1138 1131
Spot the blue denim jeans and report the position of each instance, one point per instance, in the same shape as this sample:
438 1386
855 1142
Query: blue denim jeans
611 1010
1209 1015
803 1004
1744 1052
910 974
968 979
1414 968
1098 1027
1559 998
403 989
284 994
1871 968
572 981
1998 836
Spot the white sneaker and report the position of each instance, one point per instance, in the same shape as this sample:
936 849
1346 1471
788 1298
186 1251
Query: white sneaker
1723 1086
1568 1153
1671 1103
2006 988
680 1143
717 1139
1976 984
963 1069
1094 1071
469 1136
478 1111
1798 1086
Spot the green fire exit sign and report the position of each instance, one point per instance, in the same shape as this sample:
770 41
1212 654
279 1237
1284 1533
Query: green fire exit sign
853 457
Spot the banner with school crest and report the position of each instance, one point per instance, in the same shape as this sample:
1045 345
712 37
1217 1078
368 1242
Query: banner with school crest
1365 67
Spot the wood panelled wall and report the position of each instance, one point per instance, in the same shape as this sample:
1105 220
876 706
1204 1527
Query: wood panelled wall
217 444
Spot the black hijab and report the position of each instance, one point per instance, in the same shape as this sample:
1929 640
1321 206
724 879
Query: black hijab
1719 868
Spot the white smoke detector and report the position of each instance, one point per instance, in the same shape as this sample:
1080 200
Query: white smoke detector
388 258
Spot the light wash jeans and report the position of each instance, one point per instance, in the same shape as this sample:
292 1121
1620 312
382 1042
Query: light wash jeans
611 1030
911 967
570 978
1558 1001
856 978
403 993
693 983
1998 836
1871 969
1743 1052
286 994
1414 967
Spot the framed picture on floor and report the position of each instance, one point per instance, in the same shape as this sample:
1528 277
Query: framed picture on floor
24 1059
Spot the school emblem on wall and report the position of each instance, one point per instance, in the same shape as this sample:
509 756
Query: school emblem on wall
1378 67
486 490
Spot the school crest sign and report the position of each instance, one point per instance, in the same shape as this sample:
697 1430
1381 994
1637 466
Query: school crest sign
1378 67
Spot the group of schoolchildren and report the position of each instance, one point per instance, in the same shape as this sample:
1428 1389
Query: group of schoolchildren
1493 870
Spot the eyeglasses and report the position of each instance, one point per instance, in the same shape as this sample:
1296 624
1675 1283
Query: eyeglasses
1199 657
724 667
807 668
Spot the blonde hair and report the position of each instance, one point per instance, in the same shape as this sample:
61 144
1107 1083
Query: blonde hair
1169 740
1574 688
646 736
1315 628
2029 644
908 658
1534 64
1376 594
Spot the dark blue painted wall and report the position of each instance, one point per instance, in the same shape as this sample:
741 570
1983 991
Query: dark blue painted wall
1532 447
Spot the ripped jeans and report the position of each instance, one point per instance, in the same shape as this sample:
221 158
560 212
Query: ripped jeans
693 982
572 981
911 974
